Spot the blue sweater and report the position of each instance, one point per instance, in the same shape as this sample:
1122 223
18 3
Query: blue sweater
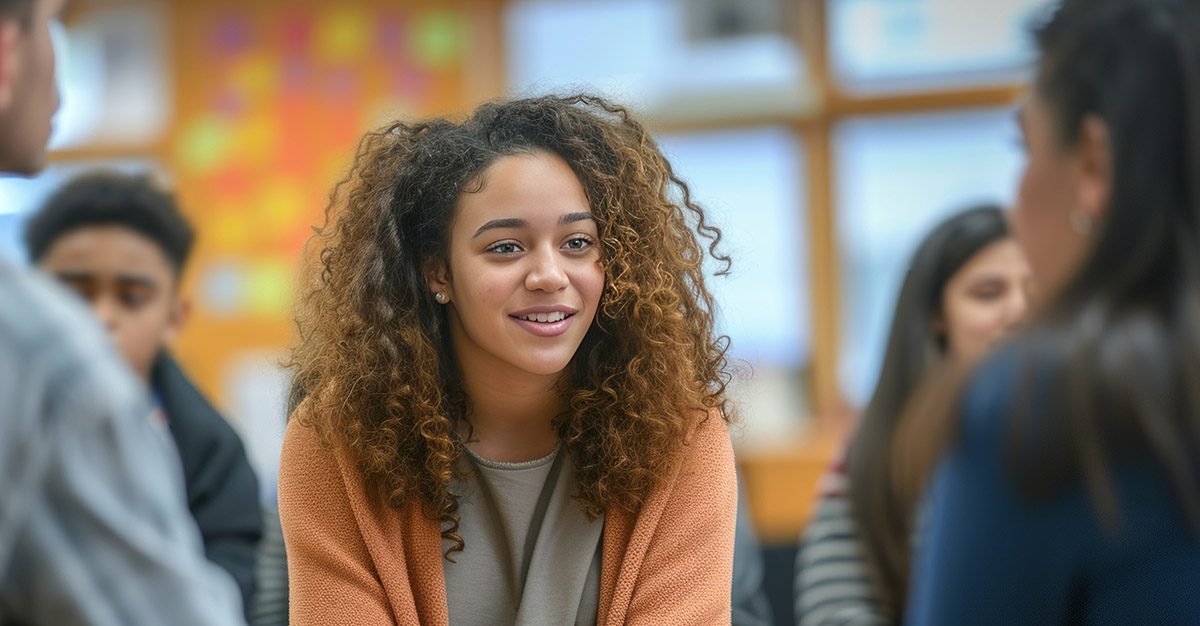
988 555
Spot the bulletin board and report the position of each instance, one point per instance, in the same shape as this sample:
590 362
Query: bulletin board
272 98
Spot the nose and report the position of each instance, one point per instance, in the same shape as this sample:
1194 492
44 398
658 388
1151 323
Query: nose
546 272
105 309
1016 306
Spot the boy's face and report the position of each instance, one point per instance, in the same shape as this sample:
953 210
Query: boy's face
128 281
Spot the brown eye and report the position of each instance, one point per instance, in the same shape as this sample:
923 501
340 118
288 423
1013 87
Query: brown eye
133 297
84 288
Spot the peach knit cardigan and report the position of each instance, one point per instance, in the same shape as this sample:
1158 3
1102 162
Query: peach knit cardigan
353 561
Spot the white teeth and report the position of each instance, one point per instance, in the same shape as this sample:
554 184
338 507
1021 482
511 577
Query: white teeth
545 318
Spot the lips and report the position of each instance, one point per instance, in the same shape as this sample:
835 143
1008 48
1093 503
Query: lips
545 321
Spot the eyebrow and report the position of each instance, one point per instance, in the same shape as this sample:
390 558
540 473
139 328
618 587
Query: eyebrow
516 222
127 279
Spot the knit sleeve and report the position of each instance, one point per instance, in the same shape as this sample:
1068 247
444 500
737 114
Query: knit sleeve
686 575
332 579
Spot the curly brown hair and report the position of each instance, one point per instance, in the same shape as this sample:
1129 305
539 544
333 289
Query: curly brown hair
374 358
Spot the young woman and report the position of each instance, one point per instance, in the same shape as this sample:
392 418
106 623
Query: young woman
966 287
515 397
1069 492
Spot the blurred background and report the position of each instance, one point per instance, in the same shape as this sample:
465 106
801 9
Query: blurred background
824 136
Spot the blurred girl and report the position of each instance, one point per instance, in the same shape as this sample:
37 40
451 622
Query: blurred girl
965 288
1068 492
514 391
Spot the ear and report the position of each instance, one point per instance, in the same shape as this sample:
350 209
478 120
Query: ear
437 276
10 60
181 311
1095 167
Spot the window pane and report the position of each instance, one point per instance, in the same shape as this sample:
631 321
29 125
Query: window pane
114 77
750 183
675 57
896 177
21 196
903 45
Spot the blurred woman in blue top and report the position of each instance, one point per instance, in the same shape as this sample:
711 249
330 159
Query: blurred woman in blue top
1067 489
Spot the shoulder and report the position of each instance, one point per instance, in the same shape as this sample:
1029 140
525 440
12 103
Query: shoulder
310 461
190 414
707 445
1011 378
705 472
302 447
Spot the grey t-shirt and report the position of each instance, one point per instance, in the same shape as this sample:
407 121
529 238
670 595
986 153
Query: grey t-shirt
530 555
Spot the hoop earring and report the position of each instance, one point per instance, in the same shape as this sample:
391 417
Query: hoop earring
1081 223
440 297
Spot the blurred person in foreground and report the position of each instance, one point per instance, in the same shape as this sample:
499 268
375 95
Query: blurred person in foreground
965 288
94 528
121 243
1067 488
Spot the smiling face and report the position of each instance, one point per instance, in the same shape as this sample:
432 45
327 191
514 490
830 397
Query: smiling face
523 279
129 284
985 299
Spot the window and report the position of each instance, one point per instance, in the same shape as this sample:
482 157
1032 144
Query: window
907 45
677 59
751 186
21 196
896 177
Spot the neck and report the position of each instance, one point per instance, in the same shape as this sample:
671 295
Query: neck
511 412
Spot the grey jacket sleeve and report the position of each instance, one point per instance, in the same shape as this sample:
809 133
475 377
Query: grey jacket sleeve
94 529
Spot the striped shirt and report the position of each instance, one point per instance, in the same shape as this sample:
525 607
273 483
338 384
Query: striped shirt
270 607
833 586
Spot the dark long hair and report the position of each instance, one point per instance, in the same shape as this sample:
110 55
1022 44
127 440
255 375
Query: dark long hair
914 347
1116 350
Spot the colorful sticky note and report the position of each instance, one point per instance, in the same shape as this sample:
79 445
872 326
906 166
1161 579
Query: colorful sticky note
268 287
230 34
296 28
257 141
438 39
343 36
256 77
280 205
221 288
229 229
204 144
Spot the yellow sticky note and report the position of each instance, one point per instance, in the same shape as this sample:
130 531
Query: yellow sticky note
257 141
204 143
343 35
229 229
257 77
281 203
268 287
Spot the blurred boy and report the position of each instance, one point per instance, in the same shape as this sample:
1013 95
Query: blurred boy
121 243
93 527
